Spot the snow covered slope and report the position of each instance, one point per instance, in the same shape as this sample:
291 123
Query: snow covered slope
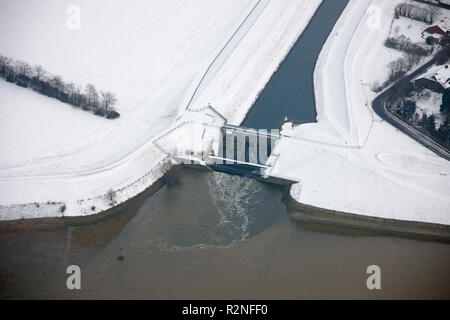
350 160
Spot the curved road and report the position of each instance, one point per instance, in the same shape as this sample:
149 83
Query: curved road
379 106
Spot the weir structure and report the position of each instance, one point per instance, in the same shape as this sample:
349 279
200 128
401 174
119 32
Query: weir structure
244 151
203 139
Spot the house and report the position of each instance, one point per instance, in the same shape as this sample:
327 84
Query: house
435 30
438 30
443 76
437 79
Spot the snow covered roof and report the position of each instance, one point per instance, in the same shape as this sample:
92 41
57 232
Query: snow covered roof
440 74
440 27
443 76
429 74
435 29
444 24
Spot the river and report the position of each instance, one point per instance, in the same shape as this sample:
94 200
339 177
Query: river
218 236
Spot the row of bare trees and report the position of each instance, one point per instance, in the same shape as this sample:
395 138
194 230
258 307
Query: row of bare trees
403 43
415 12
397 69
35 77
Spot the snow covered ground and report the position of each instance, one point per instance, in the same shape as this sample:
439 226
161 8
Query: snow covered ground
152 55
429 103
411 29
358 163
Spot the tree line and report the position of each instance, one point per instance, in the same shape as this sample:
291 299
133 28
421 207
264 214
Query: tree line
413 54
415 12
101 103
404 44
397 69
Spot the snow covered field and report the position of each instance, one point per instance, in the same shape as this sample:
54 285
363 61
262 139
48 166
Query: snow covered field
360 164
152 55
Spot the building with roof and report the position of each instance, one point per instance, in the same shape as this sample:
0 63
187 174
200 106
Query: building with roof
437 78
438 30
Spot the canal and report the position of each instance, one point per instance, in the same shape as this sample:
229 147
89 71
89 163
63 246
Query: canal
218 236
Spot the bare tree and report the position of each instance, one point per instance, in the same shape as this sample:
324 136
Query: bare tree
80 99
57 82
111 194
70 87
39 72
109 100
376 87
435 12
5 63
92 96
397 68
411 11
23 69
412 58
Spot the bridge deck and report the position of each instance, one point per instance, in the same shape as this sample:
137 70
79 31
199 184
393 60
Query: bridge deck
245 146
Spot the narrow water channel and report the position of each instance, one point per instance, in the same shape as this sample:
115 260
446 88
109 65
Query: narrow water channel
290 91
218 236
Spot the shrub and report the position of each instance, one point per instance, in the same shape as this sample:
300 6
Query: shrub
22 84
113 115
23 78
445 106
443 55
173 176
111 195
64 97
99 112
376 87
404 44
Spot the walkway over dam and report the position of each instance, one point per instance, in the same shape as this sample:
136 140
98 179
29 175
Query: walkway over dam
244 151
203 139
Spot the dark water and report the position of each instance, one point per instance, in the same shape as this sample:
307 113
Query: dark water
218 236
290 92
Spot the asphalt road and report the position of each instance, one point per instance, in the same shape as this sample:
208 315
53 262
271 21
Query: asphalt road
379 106
441 5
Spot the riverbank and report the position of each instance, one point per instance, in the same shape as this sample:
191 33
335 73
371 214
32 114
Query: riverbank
309 217
186 242
129 206
324 220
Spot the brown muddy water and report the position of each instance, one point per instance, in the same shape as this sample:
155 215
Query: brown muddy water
217 236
